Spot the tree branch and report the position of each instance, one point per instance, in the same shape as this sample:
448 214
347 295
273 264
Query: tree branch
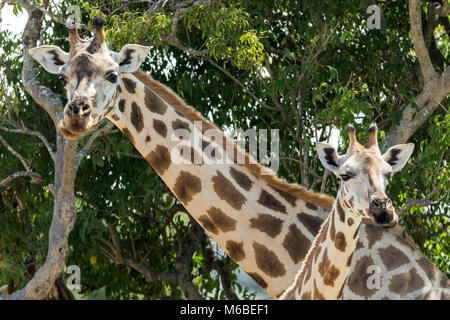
35 177
436 87
38 134
100 132
415 15
420 203
64 212
15 153
41 94
29 5
180 277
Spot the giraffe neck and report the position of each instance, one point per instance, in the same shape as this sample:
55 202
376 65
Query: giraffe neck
263 223
328 263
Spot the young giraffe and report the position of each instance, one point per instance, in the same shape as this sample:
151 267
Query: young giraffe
272 232
365 174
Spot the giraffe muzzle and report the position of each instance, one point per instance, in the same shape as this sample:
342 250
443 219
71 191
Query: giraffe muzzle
76 118
79 107
382 211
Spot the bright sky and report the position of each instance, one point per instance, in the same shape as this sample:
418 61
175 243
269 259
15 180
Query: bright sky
11 22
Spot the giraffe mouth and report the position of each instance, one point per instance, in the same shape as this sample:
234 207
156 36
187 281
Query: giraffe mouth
66 132
384 219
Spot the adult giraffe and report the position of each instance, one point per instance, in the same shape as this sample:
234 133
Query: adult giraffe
364 175
263 223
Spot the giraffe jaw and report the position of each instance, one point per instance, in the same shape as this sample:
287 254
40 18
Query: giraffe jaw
66 132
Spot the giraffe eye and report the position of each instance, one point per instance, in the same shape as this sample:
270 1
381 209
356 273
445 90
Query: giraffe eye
345 177
112 77
62 80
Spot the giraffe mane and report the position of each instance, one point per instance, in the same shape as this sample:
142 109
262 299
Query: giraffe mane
319 199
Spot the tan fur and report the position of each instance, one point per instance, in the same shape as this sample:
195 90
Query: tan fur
190 113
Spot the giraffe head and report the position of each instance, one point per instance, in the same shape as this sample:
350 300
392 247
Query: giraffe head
365 173
90 73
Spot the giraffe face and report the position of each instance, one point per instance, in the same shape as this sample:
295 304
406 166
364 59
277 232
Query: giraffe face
364 175
90 74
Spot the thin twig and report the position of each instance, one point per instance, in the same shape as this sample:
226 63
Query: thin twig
15 153
38 134
35 177
421 203
100 132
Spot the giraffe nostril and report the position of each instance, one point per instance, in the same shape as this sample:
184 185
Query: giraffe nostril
75 110
86 107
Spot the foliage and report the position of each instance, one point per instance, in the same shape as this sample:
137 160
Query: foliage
307 66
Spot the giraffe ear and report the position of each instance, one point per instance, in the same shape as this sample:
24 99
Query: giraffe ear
130 57
328 156
398 155
50 57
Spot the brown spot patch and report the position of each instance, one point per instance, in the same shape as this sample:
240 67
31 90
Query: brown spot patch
317 295
179 124
340 243
306 296
137 119
350 259
122 105
269 201
327 270
267 261
235 250
406 282
211 153
291 199
267 224
392 257
340 211
309 222
332 227
115 117
351 202
119 89
341 292
223 222
428 267
296 244
207 224
311 206
147 139
109 109
190 154
226 191
159 159
350 222
128 134
445 283
241 179
373 233
356 233
160 127
258 279
357 281
130 85
154 103
187 186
